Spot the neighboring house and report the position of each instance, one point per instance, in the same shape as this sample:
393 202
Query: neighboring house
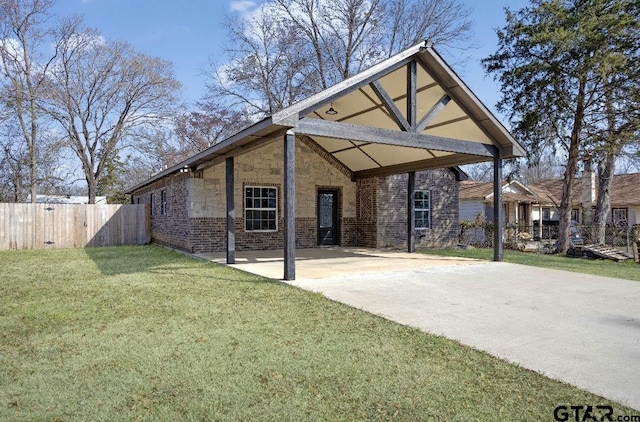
368 162
519 202
65 199
624 198
526 206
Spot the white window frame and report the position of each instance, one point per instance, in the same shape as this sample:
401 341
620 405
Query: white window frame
545 210
260 207
615 220
421 206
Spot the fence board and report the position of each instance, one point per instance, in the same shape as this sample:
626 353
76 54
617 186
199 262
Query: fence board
47 226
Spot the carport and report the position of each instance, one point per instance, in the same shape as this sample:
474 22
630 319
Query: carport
317 263
408 113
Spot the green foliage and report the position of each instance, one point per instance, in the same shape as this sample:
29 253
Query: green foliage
112 184
556 60
144 333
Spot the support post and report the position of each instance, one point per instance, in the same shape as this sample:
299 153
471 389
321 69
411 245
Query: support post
289 205
497 207
412 104
411 207
231 213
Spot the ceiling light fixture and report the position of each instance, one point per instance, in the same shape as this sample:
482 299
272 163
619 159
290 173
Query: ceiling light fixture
332 111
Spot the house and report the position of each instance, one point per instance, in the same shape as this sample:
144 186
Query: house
518 201
624 197
370 162
528 205
65 199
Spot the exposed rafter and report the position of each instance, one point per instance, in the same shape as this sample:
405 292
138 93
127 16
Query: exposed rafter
433 163
431 114
387 101
335 130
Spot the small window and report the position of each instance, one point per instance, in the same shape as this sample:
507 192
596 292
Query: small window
619 216
546 213
163 202
151 203
575 215
260 208
422 209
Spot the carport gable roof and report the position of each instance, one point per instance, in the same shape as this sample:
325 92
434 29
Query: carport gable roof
410 112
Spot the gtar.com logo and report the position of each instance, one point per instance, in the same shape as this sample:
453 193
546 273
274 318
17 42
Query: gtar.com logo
581 413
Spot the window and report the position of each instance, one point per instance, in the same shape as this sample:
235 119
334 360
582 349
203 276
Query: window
151 203
260 208
546 213
575 215
163 202
422 211
619 216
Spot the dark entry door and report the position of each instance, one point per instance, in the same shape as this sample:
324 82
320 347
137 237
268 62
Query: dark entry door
327 217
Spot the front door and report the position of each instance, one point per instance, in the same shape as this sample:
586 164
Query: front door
327 217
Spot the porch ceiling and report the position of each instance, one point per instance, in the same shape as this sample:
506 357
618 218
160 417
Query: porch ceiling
408 113
364 107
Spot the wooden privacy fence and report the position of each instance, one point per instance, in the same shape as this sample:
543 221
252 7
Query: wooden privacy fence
47 226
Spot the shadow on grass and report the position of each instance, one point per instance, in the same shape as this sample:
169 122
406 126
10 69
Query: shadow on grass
153 259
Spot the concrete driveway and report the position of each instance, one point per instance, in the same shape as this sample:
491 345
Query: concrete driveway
581 329
578 328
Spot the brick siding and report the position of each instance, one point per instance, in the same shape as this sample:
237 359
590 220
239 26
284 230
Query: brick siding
392 210
371 212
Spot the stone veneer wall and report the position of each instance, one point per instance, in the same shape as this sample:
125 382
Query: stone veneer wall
371 212
263 167
391 213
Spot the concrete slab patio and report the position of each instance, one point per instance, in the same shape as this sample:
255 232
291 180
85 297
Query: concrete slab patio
333 261
577 328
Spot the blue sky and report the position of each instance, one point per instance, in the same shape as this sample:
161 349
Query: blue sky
188 32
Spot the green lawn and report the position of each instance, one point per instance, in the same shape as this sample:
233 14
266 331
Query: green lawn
627 269
144 333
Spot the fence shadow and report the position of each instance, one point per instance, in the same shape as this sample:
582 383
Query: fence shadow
124 225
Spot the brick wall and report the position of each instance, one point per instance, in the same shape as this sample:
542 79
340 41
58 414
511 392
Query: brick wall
367 213
174 227
371 212
196 213
391 210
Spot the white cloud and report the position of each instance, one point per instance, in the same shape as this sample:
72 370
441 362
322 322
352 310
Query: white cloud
242 6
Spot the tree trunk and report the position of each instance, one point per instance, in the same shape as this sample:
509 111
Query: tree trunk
33 170
565 202
17 187
570 171
606 169
92 186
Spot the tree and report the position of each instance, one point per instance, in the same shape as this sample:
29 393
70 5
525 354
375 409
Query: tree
615 123
99 91
289 49
204 127
443 22
23 68
547 63
268 67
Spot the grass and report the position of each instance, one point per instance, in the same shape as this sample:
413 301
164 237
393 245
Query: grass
627 269
143 333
